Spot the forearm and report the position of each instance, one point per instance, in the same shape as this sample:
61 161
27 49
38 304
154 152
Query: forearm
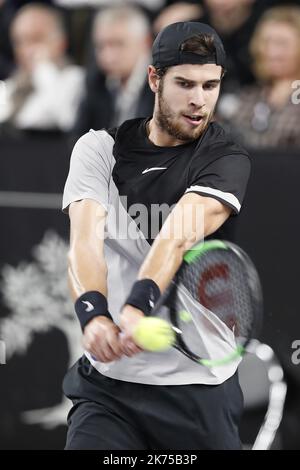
184 227
162 262
87 270
192 219
87 267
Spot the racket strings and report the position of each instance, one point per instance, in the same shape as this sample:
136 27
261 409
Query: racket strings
203 333
218 281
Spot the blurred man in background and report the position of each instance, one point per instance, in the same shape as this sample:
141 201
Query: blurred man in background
44 91
118 89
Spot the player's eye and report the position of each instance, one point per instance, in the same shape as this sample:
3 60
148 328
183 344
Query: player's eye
210 86
184 84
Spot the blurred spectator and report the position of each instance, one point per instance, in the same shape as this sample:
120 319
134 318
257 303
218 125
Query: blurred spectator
178 11
44 91
151 4
234 20
119 88
151 7
6 56
268 114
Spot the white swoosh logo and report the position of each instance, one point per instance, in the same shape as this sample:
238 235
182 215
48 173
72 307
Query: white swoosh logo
90 307
154 169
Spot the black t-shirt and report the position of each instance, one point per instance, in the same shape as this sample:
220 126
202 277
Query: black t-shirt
213 166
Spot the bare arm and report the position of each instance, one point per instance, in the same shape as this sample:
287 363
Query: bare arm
87 271
193 218
87 267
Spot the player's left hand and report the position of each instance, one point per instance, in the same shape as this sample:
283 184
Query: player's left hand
130 316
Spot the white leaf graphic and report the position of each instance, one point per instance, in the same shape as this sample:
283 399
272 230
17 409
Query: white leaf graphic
37 295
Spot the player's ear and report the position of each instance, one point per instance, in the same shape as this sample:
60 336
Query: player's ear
153 78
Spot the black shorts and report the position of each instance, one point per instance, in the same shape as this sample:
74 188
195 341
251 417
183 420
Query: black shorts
110 414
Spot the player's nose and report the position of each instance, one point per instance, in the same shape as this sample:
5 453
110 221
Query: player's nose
197 98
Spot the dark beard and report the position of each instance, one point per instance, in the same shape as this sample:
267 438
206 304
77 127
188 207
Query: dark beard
165 119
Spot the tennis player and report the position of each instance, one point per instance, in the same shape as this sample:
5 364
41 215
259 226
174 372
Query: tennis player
138 197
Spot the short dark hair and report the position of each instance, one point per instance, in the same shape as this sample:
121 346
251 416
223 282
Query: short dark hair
201 44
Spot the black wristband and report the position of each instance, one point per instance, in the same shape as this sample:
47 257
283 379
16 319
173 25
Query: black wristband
144 294
89 305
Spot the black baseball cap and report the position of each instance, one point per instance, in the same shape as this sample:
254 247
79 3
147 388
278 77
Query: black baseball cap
166 47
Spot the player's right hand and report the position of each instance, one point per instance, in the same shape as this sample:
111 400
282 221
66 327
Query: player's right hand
101 339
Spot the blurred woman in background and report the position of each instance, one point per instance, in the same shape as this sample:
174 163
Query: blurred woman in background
268 114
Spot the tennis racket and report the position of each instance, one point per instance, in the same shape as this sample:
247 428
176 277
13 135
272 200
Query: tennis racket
213 305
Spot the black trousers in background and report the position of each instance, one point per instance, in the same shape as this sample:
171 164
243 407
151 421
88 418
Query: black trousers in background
110 414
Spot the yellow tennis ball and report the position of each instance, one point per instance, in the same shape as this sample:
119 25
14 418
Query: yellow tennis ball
154 334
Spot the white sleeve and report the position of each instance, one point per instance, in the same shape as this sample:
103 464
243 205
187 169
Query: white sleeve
55 99
90 169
